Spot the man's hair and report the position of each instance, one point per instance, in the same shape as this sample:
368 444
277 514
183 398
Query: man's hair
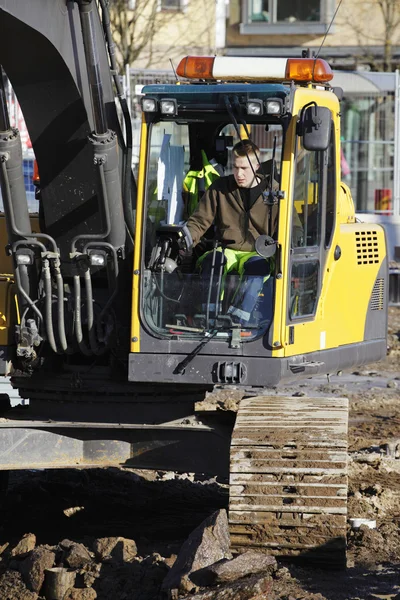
246 147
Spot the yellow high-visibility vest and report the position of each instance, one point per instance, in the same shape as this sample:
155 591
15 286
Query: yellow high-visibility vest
191 183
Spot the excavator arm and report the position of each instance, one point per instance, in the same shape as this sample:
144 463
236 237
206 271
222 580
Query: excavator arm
58 57
42 51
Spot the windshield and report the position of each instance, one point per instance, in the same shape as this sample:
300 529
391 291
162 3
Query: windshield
220 283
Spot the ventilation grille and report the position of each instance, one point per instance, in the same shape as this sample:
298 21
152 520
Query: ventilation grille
378 295
367 248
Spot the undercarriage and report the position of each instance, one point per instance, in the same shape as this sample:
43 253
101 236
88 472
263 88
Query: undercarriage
285 457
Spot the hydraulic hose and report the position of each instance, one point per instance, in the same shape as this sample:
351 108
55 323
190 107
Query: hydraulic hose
109 302
31 303
90 314
24 294
93 237
60 306
60 283
116 272
49 305
78 318
77 288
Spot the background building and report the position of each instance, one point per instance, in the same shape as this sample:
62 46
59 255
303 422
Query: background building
365 34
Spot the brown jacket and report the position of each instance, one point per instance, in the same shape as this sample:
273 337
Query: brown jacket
223 204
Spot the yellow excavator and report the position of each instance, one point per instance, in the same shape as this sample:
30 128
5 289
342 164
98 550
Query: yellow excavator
110 329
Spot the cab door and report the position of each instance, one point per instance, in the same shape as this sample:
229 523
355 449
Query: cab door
312 225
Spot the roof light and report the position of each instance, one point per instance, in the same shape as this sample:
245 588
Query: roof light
255 107
196 67
169 106
274 107
308 69
149 105
229 68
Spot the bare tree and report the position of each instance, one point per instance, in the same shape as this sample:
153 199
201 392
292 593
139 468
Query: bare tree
391 17
372 33
141 30
134 25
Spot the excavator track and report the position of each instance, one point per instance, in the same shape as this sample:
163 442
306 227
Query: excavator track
288 478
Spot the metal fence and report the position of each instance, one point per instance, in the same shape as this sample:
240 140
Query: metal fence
368 147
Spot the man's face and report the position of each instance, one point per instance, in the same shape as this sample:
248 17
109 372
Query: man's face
242 171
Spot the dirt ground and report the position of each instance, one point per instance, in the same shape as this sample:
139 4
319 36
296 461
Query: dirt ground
159 510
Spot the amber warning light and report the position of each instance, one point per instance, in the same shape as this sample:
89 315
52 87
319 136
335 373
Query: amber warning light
308 69
196 67
231 68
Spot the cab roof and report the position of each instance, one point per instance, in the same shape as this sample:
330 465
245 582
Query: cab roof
197 92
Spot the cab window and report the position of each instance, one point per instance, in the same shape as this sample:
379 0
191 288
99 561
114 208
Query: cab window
313 213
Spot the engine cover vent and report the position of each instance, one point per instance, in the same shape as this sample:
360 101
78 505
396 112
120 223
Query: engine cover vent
378 295
367 247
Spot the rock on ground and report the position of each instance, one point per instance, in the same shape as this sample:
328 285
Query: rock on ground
248 563
33 567
254 588
207 544
76 555
118 548
25 545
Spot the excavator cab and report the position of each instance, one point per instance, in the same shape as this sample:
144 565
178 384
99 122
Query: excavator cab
296 128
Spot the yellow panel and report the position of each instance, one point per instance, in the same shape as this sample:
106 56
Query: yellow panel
279 332
346 292
135 323
8 317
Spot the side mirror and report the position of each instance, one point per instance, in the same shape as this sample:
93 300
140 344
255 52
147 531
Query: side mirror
315 127
265 246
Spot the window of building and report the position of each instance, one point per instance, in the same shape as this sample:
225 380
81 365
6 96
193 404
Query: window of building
289 11
171 4
286 16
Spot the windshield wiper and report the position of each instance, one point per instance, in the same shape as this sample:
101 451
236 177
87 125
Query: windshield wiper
209 335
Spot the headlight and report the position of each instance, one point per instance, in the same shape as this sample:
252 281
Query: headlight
169 107
274 107
24 258
149 105
255 107
97 259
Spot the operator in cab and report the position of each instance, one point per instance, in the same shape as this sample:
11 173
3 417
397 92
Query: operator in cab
238 206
